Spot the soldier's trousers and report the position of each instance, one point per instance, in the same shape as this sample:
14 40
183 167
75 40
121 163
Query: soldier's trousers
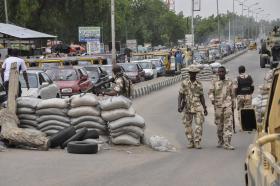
243 101
223 120
196 134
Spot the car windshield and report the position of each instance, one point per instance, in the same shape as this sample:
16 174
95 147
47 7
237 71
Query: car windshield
157 63
145 65
50 65
92 73
130 67
32 79
62 74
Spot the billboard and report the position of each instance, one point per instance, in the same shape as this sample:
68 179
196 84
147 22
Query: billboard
131 44
93 47
87 34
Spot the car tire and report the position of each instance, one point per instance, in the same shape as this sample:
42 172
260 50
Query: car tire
82 147
77 137
60 137
91 134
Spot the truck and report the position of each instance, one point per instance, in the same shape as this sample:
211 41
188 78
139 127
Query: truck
262 167
270 49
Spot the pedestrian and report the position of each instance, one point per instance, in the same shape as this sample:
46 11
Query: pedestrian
192 103
244 89
123 85
222 97
189 56
6 67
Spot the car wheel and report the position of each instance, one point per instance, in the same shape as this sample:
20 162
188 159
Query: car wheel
77 137
82 147
60 137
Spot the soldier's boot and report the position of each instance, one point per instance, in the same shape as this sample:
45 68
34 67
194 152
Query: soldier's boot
190 145
227 145
197 145
220 143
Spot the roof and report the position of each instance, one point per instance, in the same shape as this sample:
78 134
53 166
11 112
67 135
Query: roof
22 33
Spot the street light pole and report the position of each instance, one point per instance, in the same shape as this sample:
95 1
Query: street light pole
113 31
192 9
6 11
218 20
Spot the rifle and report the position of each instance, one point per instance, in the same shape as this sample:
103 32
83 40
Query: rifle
233 120
96 89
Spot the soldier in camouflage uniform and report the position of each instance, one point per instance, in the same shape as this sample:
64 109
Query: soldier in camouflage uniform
244 89
191 101
222 97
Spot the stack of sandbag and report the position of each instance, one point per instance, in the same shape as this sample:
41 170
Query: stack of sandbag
52 115
205 74
125 126
26 112
85 113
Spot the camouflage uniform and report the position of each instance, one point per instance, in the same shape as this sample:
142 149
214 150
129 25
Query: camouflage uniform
222 94
243 101
193 109
119 86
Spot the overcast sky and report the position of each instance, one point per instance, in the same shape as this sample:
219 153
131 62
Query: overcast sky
209 7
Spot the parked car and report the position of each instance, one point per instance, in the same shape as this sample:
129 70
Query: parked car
71 80
96 73
41 85
148 67
134 71
159 66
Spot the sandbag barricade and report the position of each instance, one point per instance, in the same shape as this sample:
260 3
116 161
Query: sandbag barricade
52 115
124 125
85 113
205 74
26 112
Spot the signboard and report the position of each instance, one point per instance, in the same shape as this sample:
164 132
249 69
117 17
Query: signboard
196 5
131 44
188 39
93 47
87 34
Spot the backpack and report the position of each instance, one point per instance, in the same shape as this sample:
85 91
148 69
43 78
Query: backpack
128 86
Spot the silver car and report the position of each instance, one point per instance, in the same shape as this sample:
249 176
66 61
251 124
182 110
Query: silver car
41 86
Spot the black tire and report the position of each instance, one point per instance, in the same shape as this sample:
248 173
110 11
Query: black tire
262 62
82 147
60 137
91 134
77 137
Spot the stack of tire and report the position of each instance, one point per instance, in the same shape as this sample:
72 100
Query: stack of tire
85 113
52 115
124 125
26 112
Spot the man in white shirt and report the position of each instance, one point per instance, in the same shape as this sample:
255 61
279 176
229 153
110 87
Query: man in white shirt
5 71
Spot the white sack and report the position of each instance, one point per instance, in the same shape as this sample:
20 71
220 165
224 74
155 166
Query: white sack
83 111
125 140
27 116
127 121
113 115
29 102
52 122
83 100
115 102
53 117
91 124
75 121
53 103
136 130
52 111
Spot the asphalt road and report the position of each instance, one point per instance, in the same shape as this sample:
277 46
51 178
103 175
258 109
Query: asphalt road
141 166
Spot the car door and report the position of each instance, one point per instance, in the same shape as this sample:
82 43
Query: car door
47 88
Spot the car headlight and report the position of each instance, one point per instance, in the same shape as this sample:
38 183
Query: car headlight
66 90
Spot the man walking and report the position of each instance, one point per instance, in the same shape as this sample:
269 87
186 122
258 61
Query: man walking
5 71
221 95
192 102
244 89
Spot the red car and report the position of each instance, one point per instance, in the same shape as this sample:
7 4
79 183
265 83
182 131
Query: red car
70 80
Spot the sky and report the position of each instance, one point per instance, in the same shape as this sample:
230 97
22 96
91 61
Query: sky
209 7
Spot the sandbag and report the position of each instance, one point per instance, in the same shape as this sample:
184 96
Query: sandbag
90 124
27 116
53 103
29 122
51 132
127 121
83 111
53 117
116 134
83 100
75 121
113 115
52 127
125 140
52 111
25 110
133 129
52 122
29 102
27 127
115 102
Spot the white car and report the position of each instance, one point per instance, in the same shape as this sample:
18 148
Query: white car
41 86
148 67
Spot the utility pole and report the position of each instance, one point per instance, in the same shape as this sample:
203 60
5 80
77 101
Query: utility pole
218 20
113 31
229 34
192 22
6 11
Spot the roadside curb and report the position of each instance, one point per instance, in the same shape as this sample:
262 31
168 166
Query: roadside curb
151 87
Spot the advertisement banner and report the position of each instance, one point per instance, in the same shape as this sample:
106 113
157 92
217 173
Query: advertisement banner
93 47
87 34
131 44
